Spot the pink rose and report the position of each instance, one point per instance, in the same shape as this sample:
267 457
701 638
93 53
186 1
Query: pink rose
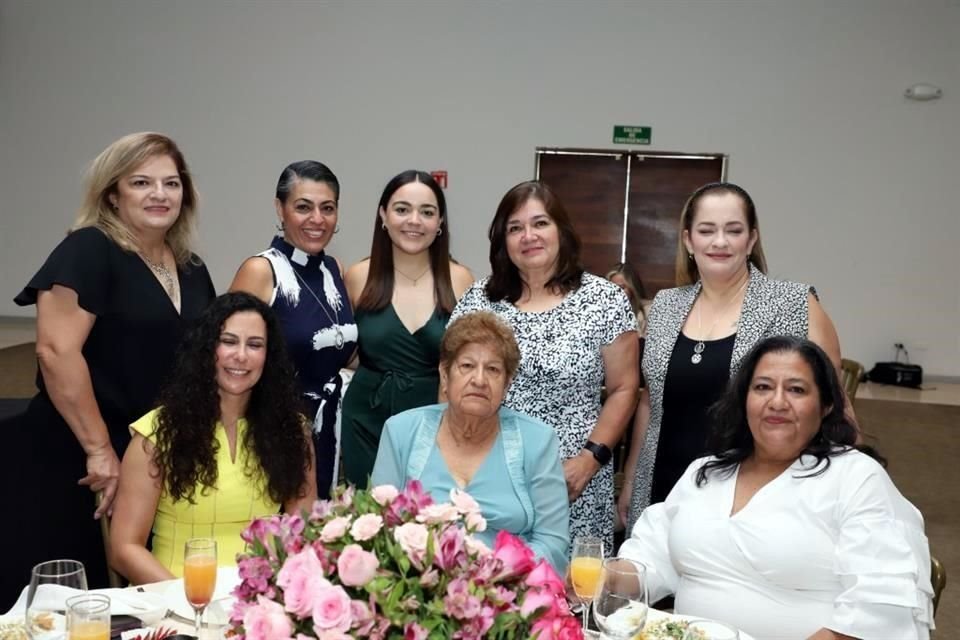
463 501
438 513
366 526
540 599
301 578
476 522
331 609
335 529
384 494
355 566
517 558
413 631
267 621
363 618
412 537
543 576
560 628
450 549
333 634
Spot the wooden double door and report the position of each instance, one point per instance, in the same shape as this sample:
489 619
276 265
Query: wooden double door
626 205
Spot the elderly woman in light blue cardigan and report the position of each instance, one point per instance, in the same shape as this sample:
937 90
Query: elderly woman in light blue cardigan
507 461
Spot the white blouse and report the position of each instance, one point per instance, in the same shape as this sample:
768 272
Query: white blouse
842 550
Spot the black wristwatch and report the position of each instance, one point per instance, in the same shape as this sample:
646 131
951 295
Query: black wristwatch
601 452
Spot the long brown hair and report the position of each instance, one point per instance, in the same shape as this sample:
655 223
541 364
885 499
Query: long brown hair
505 282
686 271
120 159
378 290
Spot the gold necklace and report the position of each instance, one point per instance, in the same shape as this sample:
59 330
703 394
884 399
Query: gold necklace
700 346
160 270
413 280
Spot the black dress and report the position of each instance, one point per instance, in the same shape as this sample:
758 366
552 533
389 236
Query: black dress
686 423
129 351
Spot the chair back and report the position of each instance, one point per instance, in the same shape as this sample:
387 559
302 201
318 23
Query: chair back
938 579
116 580
852 372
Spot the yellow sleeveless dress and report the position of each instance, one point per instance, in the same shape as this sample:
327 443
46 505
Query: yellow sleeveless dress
220 513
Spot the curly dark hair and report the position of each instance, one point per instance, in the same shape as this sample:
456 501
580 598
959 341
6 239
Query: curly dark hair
189 409
505 282
730 440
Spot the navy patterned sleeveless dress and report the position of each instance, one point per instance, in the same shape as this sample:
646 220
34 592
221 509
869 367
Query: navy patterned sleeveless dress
311 303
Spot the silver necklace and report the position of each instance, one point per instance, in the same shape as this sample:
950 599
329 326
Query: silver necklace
338 340
160 270
413 280
700 346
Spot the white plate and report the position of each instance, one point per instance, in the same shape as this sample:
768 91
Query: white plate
655 616
218 611
10 621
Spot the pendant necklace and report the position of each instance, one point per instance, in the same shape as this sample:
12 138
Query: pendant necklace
338 340
700 346
413 280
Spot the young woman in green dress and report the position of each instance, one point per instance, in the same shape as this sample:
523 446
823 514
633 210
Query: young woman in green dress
402 297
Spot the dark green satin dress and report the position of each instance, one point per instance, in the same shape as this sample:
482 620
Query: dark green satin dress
398 371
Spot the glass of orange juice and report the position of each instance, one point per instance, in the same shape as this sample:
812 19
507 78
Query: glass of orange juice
88 617
199 574
586 569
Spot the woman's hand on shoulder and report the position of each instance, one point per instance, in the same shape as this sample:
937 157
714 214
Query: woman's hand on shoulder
355 279
255 276
461 277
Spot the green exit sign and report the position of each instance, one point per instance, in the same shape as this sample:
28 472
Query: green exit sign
631 135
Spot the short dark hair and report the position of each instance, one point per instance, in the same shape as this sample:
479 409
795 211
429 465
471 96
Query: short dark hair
480 327
306 170
378 290
505 282
686 271
276 437
731 441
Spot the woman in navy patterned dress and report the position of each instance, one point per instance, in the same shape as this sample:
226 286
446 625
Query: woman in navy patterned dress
305 287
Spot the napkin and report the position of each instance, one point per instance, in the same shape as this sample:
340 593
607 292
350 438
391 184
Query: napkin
123 602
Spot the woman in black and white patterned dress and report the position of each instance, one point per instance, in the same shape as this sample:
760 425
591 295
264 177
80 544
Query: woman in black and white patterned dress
698 332
575 330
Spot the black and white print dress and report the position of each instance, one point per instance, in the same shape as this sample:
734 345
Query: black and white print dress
560 377
310 300
770 308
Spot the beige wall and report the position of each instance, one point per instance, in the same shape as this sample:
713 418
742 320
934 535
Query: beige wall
854 183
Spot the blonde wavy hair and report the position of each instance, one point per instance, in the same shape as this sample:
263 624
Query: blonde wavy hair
120 159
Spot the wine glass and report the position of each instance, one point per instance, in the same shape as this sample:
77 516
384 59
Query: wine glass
43 600
620 607
710 630
88 617
199 575
586 566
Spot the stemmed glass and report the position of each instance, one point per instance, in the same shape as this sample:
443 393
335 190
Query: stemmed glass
42 600
199 575
701 629
586 567
620 607
88 617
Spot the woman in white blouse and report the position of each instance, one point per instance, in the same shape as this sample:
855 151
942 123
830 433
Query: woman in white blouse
790 530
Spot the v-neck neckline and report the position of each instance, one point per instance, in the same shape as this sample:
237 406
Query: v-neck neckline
483 463
159 286
732 497
412 334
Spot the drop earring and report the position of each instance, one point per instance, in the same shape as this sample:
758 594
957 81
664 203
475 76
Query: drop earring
336 229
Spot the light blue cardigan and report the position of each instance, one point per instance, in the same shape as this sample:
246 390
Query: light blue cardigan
532 459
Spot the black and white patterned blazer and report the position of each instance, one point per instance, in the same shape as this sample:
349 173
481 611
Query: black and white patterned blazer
770 308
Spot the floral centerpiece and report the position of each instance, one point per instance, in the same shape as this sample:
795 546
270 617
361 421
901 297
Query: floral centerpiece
387 564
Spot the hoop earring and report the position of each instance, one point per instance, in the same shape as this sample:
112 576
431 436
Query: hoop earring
439 232
336 229
383 225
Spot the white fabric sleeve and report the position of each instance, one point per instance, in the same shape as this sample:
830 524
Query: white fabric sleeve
882 560
647 545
